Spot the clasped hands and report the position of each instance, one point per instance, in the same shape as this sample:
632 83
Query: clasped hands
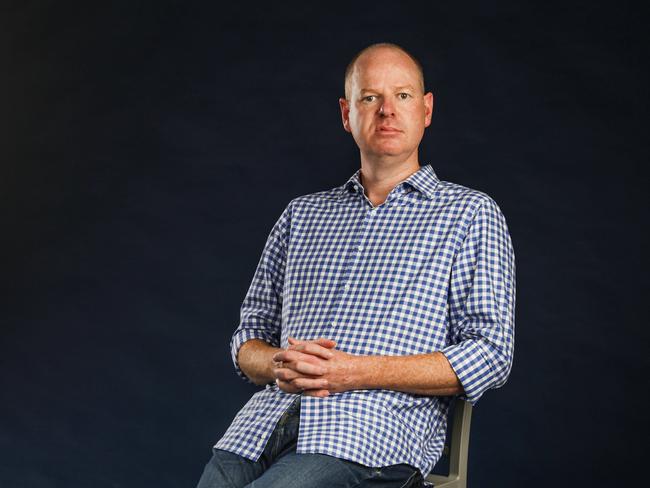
314 368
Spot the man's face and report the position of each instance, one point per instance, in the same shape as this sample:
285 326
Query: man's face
386 111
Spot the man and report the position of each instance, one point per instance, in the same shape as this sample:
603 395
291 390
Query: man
373 304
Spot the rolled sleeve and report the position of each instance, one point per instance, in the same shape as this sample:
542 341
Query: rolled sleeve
482 304
261 310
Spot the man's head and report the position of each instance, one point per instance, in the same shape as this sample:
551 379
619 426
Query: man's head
385 107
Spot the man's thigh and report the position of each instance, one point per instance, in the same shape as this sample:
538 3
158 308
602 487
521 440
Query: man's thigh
229 470
319 470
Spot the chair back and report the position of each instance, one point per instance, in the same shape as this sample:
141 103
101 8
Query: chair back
458 449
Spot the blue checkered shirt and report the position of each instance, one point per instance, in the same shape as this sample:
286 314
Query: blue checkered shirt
430 269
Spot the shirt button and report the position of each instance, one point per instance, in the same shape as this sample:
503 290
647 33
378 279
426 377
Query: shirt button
360 248
346 286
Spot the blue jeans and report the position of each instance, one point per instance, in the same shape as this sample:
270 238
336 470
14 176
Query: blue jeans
280 466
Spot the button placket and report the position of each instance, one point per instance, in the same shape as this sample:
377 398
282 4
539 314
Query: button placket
353 264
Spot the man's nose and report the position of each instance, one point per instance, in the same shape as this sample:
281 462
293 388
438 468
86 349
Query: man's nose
386 108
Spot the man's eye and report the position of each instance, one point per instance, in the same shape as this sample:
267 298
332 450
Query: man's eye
369 98
404 96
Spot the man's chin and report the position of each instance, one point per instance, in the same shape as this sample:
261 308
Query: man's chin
387 152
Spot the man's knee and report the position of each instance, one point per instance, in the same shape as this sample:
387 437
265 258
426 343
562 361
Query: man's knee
228 470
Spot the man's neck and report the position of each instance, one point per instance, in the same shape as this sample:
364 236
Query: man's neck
379 178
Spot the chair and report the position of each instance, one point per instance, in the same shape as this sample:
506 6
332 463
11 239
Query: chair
457 450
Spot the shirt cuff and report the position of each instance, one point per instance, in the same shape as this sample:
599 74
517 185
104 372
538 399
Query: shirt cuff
467 359
245 334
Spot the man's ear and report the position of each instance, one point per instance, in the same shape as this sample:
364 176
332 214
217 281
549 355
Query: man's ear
428 108
345 113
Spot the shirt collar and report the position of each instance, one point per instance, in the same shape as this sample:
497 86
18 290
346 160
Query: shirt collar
424 180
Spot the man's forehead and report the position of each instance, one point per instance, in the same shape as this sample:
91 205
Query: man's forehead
390 75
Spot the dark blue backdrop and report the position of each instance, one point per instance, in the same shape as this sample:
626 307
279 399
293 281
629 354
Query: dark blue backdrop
147 148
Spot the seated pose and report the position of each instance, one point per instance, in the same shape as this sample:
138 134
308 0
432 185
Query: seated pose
373 304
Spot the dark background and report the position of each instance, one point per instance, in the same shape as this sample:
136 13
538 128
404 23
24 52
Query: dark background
147 148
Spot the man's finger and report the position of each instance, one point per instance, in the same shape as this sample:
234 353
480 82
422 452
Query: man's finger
287 374
316 393
299 380
292 355
309 384
286 386
314 349
285 382
308 368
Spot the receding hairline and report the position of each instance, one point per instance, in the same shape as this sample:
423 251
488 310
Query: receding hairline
379 45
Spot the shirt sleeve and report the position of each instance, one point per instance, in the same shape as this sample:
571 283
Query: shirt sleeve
261 310
482 305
